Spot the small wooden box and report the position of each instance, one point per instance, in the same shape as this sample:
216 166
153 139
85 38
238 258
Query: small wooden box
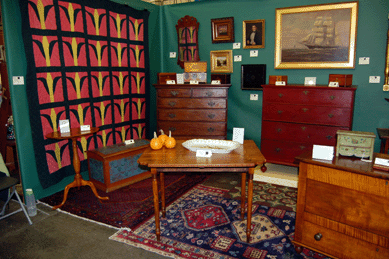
116 166
342 79
200 77
224 78
195 67
164 77
355 143
274 79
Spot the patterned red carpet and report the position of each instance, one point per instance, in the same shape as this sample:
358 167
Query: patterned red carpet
205 223
126 207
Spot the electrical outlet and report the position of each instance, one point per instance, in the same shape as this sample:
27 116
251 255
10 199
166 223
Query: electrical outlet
18 80
374 79
253 97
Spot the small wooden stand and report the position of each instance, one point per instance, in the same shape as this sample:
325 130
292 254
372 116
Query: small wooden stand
74 134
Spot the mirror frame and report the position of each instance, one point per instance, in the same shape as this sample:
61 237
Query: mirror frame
187 36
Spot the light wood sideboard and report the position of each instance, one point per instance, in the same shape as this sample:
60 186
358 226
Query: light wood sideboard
342 208
193 111
295 117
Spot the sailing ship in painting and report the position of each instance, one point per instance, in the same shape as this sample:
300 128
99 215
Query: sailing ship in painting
322 35
319 45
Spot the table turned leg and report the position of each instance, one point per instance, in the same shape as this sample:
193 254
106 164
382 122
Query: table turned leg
78 181
243 195
249 203
156 202
163 204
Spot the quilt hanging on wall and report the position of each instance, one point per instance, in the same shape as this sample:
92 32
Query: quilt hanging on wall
87 63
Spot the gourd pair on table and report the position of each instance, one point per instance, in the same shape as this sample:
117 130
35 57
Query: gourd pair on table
162 140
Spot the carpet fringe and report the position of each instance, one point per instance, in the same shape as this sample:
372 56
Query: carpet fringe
76 216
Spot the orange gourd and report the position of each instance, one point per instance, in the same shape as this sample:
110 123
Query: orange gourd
156 143
170 142
162 137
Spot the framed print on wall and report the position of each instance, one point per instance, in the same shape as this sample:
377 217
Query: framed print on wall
316 36
254 34
222 30
221 61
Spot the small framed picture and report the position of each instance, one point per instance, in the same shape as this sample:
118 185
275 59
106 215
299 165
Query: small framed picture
221 61
222 30
254 34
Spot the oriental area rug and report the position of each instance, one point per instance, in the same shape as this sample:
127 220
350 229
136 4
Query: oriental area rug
128 206
206 223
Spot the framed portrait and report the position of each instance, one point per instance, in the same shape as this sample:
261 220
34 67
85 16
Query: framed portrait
316 36
253 34
222 30
221 61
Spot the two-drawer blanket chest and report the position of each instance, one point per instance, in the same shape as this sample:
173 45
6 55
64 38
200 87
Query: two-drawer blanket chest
116 166
193 111
296 117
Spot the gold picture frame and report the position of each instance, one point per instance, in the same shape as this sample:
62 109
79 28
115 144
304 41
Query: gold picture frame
316 36
221 61
254 34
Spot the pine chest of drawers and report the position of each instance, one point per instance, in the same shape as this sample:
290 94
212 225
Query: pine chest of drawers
193 111
295 117
342 208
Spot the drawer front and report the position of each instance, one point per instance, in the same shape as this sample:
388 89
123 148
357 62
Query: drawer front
174 92
337 244
336 98
283 151
192 115
194 128
193 103
308 114
209 92
305 133
365 211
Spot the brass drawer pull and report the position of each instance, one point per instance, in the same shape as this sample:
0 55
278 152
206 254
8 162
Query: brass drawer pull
211 129
303 128
306 92
279 112
332 97
329 137
278 149
330 115
172 129
302 147
209 94
211 116
172 104
305 109
174 93
279 130
172 115
280 95
318 236
211 104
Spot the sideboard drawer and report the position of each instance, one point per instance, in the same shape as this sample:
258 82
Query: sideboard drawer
281 150
210 92
297 132
338 244
174 92
192 115
308 113
194 128
193 103
328 97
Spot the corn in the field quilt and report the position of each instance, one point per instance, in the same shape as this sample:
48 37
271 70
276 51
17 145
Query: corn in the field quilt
87 61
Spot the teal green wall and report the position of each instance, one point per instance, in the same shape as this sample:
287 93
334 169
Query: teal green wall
370 107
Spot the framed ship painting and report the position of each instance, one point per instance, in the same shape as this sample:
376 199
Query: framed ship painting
316 36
